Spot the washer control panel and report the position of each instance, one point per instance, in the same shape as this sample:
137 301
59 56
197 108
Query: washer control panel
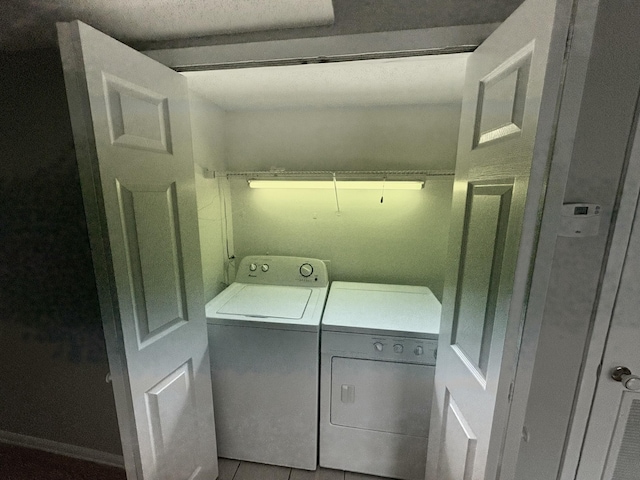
280 270
391 348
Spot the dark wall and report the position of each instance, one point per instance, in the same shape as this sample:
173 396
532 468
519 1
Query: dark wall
52 353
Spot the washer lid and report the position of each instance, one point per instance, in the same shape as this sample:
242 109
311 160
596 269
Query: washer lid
265 301
369 307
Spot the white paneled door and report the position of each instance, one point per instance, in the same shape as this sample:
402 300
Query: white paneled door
508 119
131 125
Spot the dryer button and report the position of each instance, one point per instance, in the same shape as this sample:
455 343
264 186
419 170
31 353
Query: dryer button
418 350
398 348
378 346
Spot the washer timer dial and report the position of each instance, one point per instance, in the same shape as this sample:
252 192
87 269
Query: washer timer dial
306 270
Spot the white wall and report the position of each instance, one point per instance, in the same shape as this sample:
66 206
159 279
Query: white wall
208 130
606 118
397 137
401 241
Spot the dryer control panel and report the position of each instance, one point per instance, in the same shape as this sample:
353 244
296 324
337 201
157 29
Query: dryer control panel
380 347
281 270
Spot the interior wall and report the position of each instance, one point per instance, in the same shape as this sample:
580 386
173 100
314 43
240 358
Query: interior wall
374 138
400 241
606 118
208 131
53 359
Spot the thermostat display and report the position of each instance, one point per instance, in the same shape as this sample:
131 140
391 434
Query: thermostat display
580 220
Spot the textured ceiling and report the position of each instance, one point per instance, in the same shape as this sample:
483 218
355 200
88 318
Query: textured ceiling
155 24
431 79
28 22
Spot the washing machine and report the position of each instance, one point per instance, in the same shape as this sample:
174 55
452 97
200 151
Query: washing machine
264 334
378 355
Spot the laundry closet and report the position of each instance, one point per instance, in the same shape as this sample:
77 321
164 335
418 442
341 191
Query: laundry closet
371 119
157 238
336 125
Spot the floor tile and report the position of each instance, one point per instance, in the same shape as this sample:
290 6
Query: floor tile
360 476
227 468
320 474
258 471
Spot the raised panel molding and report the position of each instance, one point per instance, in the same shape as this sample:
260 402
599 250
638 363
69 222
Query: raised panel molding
137 117
484 236
171 412
458 444
501 99
153 252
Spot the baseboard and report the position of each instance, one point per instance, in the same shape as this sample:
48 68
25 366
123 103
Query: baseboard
66 449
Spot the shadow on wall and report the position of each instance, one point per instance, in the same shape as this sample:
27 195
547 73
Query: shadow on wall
46 271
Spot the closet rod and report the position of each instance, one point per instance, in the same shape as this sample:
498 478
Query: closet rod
330 173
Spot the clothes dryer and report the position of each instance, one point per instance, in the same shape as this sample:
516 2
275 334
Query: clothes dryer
378 354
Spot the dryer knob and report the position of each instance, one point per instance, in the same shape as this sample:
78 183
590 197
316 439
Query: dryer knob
378 346
418 350
398 348
265 268
253 267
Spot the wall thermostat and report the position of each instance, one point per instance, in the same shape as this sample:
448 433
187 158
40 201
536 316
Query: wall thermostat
580 220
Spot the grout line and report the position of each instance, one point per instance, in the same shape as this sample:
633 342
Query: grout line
235 471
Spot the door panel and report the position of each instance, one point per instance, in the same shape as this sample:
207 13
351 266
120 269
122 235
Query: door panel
171 406
460 443
482 253
152 245
503 137
501 99
138 117
131 126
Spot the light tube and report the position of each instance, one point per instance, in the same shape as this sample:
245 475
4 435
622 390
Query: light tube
341 184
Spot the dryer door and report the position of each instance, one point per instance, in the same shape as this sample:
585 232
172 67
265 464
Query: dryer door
381 396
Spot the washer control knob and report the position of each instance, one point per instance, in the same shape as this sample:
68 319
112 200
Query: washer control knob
398 348
418 350
265 267
306 269
378 346
253 267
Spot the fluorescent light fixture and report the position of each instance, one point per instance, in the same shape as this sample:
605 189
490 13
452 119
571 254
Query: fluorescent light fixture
341 184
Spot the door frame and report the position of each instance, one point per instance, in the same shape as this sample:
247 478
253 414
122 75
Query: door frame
571 76
628 207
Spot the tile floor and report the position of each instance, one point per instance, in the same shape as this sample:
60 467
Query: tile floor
236 470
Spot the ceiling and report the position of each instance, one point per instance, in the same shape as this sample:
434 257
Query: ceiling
155 24
433 79
146 20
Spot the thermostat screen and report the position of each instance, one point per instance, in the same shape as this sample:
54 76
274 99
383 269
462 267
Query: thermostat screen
581 210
